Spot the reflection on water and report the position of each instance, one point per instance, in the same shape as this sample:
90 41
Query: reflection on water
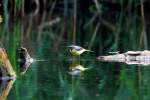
76 69
5 88
51 79
46 80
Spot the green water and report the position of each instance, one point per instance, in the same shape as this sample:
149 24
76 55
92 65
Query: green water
50 80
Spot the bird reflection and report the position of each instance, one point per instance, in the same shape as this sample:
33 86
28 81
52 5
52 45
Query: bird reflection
76 69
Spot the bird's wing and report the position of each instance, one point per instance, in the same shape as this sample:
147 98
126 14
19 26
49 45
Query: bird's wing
78 48
75 47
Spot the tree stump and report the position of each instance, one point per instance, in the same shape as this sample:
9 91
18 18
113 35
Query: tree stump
5 65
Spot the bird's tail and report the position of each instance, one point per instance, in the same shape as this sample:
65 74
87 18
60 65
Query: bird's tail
89 50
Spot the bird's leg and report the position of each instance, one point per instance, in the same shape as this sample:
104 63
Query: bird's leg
79 59
73 59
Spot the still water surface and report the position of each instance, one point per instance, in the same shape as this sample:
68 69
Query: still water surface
50 80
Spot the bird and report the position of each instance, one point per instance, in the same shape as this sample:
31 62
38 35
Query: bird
77 50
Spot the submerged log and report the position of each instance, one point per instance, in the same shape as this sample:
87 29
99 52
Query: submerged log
5 65
130 57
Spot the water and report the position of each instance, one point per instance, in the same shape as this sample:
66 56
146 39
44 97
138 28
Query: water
50 80
106 81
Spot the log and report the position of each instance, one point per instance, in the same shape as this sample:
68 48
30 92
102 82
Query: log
129 57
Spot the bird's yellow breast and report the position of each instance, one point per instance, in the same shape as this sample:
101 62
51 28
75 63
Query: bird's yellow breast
74 52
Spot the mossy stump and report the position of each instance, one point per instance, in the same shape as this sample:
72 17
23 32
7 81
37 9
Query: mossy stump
5 65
